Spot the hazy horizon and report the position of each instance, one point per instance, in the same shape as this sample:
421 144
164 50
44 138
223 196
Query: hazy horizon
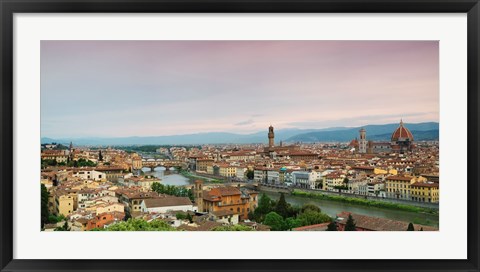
248 133
158 88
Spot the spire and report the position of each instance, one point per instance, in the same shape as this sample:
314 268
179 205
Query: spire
401 122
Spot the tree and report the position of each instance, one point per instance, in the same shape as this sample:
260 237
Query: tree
332 226
310 207
138 225
181 216
44 205
410 227
350 225
345 182
233 228
250 174
310 217
275 221
189 217
265 205
291 223
65 227
100 156
282 206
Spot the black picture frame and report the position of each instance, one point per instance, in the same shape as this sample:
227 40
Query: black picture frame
9 7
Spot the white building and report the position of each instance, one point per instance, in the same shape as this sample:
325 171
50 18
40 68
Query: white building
163 205
90 174
306 179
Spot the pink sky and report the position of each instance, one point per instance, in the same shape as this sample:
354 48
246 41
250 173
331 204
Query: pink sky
146 88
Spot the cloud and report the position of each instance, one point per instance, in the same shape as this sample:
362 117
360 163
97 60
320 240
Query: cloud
244 123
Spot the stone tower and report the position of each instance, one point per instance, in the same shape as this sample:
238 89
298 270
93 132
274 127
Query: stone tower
271 137
362 143
198 194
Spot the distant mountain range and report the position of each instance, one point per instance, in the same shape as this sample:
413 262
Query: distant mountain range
420 131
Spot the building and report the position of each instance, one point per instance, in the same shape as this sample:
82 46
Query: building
226 170
103 220
307 179
425 192
401 141
137 162
227 198
166 204
271 138
362 144
203 163
333 180
89 174
399 186
64 204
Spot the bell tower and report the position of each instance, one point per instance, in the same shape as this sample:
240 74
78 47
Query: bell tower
362 144
198 194
271 137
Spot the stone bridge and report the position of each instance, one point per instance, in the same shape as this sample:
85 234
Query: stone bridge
153 163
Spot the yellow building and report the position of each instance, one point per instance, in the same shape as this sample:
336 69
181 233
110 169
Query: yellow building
398 186
227 170
64 204
107 208
425 192
137 162
378 171
202 164
210 169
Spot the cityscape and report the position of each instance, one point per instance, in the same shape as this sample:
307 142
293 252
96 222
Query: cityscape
230 146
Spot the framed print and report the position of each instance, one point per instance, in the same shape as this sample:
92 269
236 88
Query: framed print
239 135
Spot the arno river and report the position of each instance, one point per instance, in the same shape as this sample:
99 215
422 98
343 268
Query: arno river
329 207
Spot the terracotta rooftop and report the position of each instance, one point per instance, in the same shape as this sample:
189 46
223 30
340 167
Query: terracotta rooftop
380 224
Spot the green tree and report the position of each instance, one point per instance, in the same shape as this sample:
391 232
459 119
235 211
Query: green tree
189 217
310 217
55 219
310 207
332 226
275 221
44 205
350 225
265 205
291 223
233 228
345 182
250 174
65 227
410 227
282 206
138 225
181 216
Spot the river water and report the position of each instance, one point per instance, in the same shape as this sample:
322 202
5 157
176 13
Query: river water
168 179
331 208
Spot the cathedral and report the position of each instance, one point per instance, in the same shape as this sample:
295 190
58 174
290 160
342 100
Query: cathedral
401 141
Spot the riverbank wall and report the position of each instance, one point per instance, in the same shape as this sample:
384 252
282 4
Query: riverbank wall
434 206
